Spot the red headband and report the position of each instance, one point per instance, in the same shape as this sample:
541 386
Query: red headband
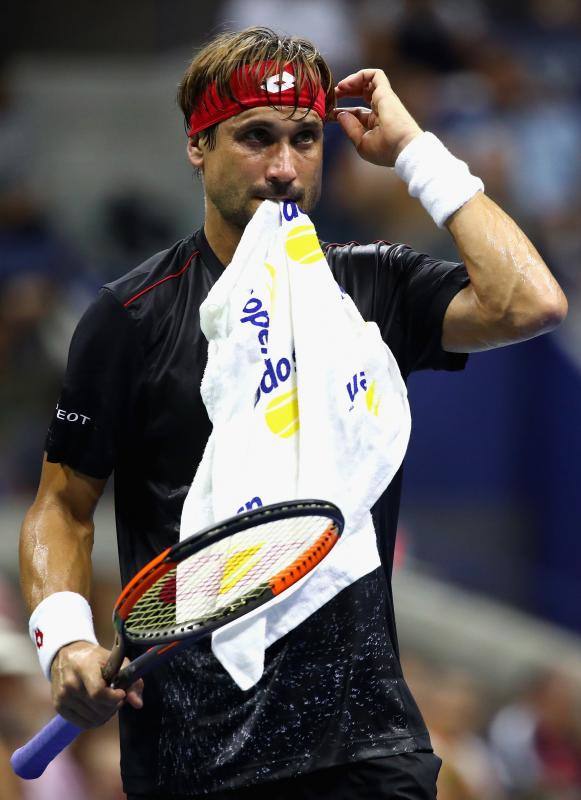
250 92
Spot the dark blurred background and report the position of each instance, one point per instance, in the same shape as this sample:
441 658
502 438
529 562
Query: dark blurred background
93 179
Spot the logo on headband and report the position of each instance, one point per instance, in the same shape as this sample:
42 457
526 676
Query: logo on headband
279 83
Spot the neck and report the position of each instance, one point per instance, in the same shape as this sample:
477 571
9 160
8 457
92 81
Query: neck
222 236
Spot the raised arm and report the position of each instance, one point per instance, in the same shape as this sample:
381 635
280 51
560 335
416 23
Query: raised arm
55 556
512 295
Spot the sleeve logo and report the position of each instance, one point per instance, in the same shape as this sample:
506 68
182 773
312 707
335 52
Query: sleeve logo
71 416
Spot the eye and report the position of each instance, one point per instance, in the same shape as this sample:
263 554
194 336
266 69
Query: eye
257 136
306 137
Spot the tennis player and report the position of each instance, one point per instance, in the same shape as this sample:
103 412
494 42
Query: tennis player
332 716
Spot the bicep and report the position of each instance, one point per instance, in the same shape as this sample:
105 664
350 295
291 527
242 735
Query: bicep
75 493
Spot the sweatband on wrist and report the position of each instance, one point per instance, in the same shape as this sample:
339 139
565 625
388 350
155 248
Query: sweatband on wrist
441 182
59 619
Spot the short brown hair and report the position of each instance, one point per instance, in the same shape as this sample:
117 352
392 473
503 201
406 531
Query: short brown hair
221 57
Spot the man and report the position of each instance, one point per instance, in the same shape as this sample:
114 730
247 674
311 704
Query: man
332 715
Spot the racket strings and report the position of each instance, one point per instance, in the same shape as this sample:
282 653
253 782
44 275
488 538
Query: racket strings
229 574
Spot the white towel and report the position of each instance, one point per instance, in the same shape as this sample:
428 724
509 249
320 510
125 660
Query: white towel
306 400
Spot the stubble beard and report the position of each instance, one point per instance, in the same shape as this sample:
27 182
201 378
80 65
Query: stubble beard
238 209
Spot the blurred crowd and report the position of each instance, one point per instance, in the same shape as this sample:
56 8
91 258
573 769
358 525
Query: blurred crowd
501 85
526 746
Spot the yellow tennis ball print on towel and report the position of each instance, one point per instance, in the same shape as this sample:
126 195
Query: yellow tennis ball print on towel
282 414
372 399
302 244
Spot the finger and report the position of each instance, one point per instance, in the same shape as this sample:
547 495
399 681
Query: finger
104 697
356 79
80 720
95 705
361 83
87 716
357 110
97 689
106 694
363 76
365 115
135 691
106 705
135 694
352 127
98 706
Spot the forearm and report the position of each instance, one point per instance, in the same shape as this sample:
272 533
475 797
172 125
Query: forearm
511 283
55 553
57 534
55 557
512 295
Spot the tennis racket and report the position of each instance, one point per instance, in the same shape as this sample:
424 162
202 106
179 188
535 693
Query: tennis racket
197 586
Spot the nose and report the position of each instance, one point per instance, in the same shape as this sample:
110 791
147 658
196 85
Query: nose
281 168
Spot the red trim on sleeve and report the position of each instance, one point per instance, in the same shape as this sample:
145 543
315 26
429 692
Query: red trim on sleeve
161 280
329 245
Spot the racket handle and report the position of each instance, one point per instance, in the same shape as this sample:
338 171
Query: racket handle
31 760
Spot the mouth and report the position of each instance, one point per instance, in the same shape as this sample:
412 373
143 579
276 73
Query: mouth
280 198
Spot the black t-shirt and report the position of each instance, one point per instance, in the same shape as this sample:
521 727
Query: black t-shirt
332 689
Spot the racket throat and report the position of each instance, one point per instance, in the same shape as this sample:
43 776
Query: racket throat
115 661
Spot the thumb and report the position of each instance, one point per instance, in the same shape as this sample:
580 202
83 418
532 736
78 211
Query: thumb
135 694
352 127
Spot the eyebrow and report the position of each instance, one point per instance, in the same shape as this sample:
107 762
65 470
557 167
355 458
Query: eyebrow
262 122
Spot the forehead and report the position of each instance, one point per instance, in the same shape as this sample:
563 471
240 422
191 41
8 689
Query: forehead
279 116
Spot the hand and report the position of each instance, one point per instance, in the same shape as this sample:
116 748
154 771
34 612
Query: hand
79 692
381 132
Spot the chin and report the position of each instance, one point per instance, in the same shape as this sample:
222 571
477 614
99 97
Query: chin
253 206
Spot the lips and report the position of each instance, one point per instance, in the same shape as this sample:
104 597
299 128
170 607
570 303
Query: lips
280 198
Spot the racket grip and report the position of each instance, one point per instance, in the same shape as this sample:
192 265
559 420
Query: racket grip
31 760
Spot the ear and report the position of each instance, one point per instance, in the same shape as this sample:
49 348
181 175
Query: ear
194 151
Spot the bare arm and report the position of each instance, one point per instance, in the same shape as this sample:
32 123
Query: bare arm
57 534
55 556
512 295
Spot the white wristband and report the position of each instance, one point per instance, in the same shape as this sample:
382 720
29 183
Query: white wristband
60 619
440 181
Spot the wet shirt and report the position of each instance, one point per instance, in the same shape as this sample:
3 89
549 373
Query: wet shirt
332 689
